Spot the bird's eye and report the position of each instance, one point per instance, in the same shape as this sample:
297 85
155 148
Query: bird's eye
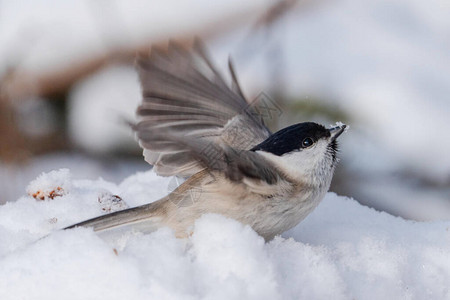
307 142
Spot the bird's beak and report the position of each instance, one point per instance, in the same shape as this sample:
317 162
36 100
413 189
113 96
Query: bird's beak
335 132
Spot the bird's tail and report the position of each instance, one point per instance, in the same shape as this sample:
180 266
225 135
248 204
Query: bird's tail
145 218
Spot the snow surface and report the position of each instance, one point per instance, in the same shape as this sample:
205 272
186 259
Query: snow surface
341 251
13 178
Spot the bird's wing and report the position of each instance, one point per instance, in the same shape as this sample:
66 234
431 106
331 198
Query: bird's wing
184 93
239 166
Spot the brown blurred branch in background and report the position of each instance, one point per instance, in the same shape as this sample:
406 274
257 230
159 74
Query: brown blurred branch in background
12 142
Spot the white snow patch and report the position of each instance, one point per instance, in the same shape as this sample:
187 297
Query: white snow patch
341 251
46 183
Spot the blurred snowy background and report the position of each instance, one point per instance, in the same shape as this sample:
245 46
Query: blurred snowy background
67 84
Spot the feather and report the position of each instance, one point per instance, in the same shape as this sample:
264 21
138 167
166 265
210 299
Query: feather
184 93
236 165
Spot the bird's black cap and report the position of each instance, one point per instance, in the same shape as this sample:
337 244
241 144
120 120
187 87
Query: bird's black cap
291 138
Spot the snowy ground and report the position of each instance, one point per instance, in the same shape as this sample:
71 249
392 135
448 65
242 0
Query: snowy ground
15 178
341 251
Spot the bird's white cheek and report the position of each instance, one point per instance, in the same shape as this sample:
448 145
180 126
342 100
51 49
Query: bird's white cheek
296 164
300 163
307 164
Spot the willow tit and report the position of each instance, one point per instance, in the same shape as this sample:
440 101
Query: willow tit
192 124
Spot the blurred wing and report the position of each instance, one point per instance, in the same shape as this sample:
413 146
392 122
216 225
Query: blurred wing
184 93
241 166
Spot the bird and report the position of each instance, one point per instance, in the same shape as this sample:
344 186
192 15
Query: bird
194 125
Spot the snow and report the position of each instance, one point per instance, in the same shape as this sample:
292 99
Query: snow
13 178
50 182
343 250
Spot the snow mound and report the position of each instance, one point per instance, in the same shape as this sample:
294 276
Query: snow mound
50 185
341 251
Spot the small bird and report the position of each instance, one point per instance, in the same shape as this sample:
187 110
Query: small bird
192 124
